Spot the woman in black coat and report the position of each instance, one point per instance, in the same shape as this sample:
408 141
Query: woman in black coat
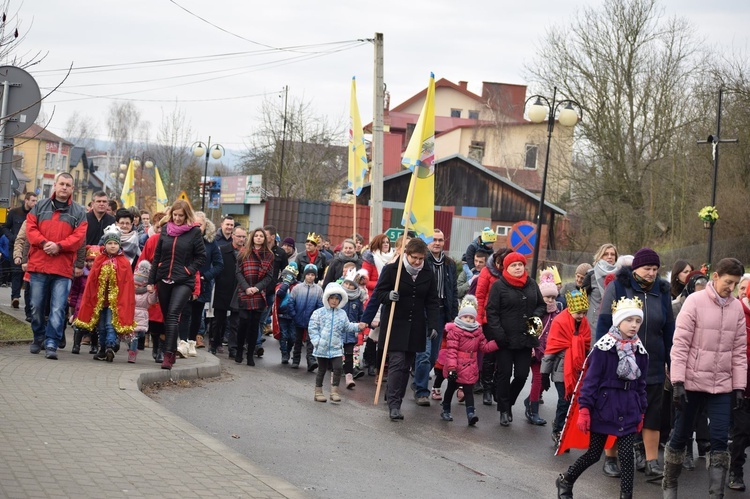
415 307
178 256
513 300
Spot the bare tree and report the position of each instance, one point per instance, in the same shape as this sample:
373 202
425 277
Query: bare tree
13 31
173 153
80 130
314 163
633 72
123 123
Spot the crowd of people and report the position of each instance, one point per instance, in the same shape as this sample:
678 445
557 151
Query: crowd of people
638 360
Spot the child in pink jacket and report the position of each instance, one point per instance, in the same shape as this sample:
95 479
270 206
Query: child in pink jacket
143 300
459 358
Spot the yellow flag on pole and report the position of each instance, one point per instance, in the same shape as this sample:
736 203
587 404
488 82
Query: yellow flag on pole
128 187
357 149
419 157
161 194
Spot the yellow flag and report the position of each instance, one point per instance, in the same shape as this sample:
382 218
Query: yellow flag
357 149
161 194
420 159
128 187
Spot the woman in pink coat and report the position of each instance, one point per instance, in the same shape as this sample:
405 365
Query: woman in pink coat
464 341
709 364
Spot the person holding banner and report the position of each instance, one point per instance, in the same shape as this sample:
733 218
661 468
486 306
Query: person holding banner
415 309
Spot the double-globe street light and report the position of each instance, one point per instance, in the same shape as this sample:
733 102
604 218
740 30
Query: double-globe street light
567 116
216 151
138 163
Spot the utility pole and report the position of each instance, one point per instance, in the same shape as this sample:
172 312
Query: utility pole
376 172
283 144
715 140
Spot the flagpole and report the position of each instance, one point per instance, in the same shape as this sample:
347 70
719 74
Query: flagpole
354 237
407 218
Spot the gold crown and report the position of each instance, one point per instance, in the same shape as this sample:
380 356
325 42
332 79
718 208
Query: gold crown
313 238
626 303
577 301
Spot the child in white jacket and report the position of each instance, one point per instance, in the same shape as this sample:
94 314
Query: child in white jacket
327 328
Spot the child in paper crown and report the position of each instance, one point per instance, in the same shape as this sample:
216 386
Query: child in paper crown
548 288
327 329
74 300
464 341
109 297
282 322
611 399
143 300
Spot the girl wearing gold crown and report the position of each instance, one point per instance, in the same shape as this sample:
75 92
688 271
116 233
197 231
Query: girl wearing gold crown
610 399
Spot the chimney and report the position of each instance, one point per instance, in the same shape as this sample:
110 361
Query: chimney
463 84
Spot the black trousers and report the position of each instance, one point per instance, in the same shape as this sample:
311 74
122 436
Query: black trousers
740 439
399 364
514 363
172 300
248 330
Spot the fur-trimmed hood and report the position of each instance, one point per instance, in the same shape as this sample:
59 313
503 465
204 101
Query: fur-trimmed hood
625 277
334 289
210 234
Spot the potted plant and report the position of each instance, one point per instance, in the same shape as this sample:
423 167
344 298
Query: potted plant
709 215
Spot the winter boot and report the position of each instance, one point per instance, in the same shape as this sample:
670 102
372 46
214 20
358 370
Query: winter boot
718 465
532 415
183 348
77 336
335 394
446 414
110 354
350 382
471 415
168 361
672 468
132 354
154 345
610 468
736 482
63 341
639 452
94 344
564 486
319 397
199 342
101 354
312 364
688 462
285 358
191 349
238 355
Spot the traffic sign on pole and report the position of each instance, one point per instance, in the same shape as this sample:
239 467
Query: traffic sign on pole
394 233
522 237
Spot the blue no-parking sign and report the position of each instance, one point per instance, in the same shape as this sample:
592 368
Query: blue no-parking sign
522 237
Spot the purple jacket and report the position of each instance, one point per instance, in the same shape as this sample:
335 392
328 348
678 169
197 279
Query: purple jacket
615 405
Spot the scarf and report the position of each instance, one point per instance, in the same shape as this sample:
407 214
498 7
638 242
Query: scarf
352 294
381 259
573 338
466 326
439 276
552 307
627 368
129 245
601 270
177 230
643 283
516 282
412 271
722 301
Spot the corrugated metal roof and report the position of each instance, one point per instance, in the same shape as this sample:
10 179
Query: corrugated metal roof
312 217
282 213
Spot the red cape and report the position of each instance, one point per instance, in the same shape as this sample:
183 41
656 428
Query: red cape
118 274
561 338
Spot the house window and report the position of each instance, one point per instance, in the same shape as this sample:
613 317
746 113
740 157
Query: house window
409 131
531 155
476 151
473 115
48 161
455 113
502 230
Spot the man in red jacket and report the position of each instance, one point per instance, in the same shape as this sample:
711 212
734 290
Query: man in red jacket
55 228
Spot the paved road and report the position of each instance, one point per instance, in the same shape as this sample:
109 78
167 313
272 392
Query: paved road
353 449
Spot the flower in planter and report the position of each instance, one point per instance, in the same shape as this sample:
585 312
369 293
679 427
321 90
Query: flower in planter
708 214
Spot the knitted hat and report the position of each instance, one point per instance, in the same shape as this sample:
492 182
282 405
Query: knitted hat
583 268
513 257
288 241
624 261
488 235
141 273
311 268
547 283
111 233
644 257
468 307
625 308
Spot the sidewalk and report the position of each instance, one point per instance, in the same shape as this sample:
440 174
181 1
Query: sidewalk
80 428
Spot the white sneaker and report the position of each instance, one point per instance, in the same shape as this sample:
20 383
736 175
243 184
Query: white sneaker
182 349
191 349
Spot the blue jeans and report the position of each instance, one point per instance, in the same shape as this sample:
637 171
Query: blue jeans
53 289
107 333
719 408
263 318
288 335
425 360
562 407
134 343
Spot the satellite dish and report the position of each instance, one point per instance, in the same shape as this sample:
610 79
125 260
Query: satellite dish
24 100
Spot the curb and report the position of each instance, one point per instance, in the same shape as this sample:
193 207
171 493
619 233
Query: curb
132 383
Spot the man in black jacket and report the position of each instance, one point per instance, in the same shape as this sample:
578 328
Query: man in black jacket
444 270
224 289
98 219
15 218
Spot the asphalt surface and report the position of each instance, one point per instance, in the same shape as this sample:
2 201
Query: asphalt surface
267 413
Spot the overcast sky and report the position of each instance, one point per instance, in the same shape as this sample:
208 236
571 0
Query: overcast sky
487 40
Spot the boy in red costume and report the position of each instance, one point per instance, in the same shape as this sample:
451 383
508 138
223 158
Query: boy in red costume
109 297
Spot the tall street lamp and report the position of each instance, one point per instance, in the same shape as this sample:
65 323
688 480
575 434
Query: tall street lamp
567 116
199 149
